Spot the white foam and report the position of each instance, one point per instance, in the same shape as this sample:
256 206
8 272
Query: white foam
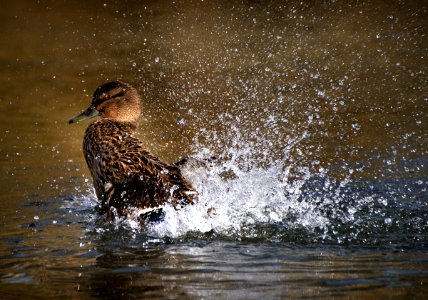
226 205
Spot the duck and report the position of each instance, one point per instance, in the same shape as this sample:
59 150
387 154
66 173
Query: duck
126 176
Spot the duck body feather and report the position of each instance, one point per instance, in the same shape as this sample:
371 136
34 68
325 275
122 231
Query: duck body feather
125 175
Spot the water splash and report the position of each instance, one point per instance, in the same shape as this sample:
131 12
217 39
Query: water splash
236 193
240 199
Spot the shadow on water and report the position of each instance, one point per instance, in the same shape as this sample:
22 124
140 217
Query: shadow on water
315 110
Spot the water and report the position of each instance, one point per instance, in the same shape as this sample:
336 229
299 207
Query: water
316 114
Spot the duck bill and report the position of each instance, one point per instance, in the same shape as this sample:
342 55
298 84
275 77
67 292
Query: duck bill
89 113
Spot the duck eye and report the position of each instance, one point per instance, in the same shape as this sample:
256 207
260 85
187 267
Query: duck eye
120 93
100 109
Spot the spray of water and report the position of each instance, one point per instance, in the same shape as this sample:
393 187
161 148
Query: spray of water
236 193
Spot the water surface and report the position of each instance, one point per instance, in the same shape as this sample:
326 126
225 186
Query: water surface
316 112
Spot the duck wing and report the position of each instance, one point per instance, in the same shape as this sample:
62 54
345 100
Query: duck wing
142 180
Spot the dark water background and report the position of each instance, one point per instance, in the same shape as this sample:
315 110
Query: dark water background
316 110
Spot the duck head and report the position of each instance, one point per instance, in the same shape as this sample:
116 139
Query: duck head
114 100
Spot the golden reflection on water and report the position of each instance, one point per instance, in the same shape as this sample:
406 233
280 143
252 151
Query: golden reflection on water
358 71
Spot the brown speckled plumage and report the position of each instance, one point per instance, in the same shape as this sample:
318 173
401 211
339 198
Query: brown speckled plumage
125 175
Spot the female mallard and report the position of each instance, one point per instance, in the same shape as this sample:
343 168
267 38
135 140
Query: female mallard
125 175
